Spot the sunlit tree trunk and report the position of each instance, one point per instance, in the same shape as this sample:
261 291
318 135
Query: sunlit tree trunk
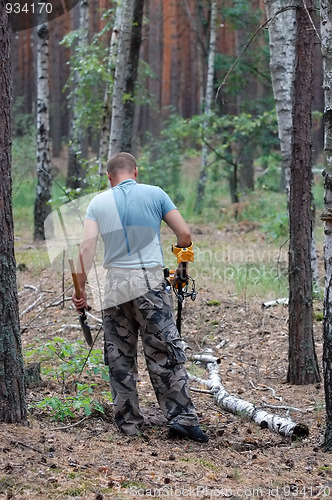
207 107
75 156
303 366
43 193
12 390
120 78
326 34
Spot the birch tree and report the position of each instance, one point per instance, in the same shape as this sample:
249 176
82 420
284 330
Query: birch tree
43 193
12 390
207 105
326 34
107 106
130 76
120 78
282 37
74 173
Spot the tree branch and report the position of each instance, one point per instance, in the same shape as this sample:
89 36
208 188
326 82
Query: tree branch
262 26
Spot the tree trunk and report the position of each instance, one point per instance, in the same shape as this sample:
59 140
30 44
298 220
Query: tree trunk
56 74
120 78
207 108
282 35
75 154
107 107
43 193
12 390
129 104
303 367
275 423
326 33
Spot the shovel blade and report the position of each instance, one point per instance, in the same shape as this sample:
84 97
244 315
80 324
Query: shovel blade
85 329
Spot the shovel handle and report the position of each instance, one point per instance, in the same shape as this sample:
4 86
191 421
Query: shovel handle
75 280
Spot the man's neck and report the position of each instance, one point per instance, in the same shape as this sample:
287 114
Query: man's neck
120 179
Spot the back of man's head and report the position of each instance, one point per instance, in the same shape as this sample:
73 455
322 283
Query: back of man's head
121 163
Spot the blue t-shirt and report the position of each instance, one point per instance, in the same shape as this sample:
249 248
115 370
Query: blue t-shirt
129 218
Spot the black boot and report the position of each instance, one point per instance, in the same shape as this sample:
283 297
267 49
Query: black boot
193 432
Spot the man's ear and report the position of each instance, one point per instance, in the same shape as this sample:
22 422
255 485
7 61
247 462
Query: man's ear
136 172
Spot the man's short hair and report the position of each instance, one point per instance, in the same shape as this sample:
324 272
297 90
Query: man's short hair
120 162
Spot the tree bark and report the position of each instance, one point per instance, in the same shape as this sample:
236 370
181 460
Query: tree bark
75 154
120 78
282 36
12 390
129 104
237 406
207 108
303 366
107 106
43 193
326 34
56 74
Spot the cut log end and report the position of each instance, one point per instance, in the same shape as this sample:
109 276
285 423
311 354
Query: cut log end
300 431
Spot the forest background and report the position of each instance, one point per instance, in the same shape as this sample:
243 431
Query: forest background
244 194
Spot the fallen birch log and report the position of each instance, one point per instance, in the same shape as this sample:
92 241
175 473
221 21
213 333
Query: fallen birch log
271 303
281 425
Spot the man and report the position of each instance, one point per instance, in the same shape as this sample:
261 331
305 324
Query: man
128 217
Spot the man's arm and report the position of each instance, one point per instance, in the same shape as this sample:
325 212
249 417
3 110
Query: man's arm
182 232
179 226
85 261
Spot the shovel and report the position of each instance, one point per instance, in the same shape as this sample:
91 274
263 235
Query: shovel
82 316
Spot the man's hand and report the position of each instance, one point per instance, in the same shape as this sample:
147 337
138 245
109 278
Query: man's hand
181 274
81 303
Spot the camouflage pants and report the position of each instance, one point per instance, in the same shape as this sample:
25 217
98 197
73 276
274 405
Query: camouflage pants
152 316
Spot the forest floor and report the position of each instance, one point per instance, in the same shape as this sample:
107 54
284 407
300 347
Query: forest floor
91 460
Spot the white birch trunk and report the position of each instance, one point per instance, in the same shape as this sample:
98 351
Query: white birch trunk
326 35
77 130
282 36
43 193
120 77
106 120
208 103
275 423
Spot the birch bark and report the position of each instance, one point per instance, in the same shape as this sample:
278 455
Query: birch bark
207 107
106 120
120 78
326 35
74 174
43 194
282 36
